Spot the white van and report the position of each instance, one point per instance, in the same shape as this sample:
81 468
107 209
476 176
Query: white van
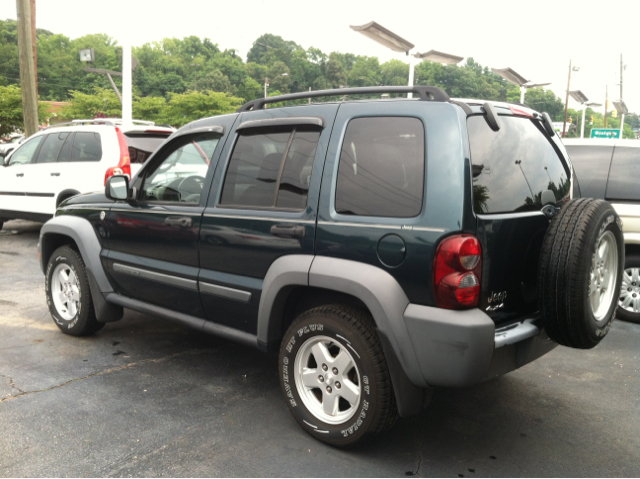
66 160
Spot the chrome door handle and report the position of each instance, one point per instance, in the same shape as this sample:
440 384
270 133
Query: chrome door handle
288 231
181 221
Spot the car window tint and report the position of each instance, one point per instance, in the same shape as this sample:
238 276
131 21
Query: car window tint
592 167
142 145
180 176
256 175
51 147
624 176
513 166
296 176
26 153
381 171
87 146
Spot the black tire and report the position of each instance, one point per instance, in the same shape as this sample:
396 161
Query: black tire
79 319
341 329
631 262
567 260
1 224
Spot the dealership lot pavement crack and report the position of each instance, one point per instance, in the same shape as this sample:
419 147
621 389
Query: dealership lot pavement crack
99 373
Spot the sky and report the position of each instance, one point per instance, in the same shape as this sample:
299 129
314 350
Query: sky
536 39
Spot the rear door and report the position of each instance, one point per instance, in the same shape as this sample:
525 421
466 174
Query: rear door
516 172
263 206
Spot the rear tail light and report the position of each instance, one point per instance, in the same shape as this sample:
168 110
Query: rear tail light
456 272
124 164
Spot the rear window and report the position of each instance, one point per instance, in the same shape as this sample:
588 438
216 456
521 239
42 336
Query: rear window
142 145
381 170
271 168
624 176
592 167
86 147
513 166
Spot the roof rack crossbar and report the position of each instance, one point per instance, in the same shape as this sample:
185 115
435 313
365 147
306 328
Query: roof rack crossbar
426 93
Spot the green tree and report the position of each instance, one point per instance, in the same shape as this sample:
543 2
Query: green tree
101 101
545 101
11 114
183 108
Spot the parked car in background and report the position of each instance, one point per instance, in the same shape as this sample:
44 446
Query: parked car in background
610 170
11 144
65 160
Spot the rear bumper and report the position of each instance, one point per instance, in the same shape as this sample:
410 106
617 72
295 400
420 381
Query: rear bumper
461 348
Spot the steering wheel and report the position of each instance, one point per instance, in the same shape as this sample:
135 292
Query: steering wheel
191 185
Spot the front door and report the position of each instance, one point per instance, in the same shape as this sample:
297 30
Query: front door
16 177
262 206
153 241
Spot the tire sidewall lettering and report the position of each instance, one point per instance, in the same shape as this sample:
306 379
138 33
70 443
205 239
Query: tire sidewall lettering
307 420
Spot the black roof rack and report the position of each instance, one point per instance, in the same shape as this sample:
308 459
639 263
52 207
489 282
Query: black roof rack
426 93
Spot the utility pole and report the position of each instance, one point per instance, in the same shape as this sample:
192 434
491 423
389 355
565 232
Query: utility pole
566 104
27 70
621 98
34 40
606 105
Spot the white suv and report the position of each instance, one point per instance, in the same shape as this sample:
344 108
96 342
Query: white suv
610 170
66 160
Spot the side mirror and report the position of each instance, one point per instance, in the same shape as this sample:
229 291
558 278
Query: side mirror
117 188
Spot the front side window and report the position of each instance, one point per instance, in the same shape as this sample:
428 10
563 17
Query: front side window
87 146
271 168
179 177
26 153
381 171
142 145
513 166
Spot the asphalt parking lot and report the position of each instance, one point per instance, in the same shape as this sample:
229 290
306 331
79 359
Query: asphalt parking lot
145 397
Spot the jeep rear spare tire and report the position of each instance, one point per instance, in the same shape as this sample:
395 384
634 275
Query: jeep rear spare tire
579 273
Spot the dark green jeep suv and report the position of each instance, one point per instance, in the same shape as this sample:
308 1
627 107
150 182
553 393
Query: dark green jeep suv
383 247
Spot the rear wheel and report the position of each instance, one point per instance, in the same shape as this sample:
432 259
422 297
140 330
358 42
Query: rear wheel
629 301
68 294
579 273
334 375
1 224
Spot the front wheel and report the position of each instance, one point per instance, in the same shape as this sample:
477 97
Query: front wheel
629 301
334 375
68 294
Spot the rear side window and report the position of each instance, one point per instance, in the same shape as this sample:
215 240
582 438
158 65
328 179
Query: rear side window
50 150
271 168
624 176
86 147
513 166
381 171
592 166
142 145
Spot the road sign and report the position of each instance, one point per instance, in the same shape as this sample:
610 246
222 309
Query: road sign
605 133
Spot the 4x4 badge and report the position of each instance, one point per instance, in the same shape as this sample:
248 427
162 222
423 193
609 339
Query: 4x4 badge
102 215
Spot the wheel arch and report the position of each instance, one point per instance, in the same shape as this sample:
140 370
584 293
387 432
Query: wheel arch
79 234
65 195
291 285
